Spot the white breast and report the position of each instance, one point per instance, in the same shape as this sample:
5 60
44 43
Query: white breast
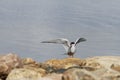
72 48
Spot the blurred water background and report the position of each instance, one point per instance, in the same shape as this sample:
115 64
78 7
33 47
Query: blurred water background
25 23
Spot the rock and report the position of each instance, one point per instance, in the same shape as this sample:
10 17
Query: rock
83 74
108 67
31 70
42 71
65 63
115 67
106 74
29 62
103 61
54 76
7 63
44 78
93 63
95 68
47 67
24 74
61 65
78 74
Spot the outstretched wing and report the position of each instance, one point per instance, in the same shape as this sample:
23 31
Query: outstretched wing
63 41
80 40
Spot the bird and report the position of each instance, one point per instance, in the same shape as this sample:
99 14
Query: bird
70 47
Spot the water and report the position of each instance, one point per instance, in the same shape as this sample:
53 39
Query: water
25 23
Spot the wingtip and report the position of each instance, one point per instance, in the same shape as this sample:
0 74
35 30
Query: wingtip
42 42
46 42
83 39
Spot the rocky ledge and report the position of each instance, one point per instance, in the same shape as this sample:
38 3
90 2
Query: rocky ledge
12 67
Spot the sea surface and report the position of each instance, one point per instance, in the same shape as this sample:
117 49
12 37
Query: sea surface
25 23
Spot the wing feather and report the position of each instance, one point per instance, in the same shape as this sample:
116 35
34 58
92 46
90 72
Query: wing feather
80 40
63 41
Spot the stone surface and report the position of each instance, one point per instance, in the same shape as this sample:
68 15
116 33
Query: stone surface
115 67
24 74
106 68
29 74
31 70
65 63
78 74
83 74
29 62
95 68
7 63
103 61
54 76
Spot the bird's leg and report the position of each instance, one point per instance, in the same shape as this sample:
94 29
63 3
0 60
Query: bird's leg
69 56
72 56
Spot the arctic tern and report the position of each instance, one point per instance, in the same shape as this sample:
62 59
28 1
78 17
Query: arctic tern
70 47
